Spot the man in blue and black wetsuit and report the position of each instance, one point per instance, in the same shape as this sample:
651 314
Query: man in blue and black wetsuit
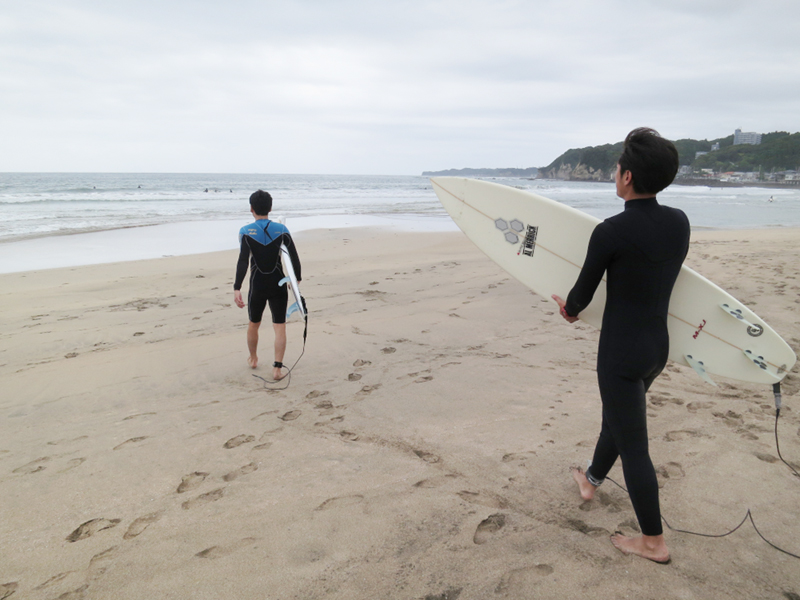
260 246
640 251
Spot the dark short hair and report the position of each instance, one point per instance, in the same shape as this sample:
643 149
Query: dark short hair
261 202
651 159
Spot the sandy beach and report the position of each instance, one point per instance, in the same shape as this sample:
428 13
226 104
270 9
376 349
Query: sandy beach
421 450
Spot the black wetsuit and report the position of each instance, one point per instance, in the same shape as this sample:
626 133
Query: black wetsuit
641 250
260 242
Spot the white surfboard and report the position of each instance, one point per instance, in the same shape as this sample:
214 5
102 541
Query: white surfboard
543 243
290 280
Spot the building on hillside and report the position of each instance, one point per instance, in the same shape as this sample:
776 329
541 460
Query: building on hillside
715 146
746 137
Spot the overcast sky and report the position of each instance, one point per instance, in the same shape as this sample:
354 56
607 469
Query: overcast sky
380 87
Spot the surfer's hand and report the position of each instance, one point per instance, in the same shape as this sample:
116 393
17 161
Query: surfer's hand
563 310
237 298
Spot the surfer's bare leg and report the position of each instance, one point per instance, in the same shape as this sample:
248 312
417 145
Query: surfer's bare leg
586 489
652 547
280 348
252 344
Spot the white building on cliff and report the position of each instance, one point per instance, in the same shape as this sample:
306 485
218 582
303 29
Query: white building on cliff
746 137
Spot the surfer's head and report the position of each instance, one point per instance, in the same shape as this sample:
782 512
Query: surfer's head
261 203
651 159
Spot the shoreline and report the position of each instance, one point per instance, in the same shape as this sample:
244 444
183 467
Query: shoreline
201 237
176 239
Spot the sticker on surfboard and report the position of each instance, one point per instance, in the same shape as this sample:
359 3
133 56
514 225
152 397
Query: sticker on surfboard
512 231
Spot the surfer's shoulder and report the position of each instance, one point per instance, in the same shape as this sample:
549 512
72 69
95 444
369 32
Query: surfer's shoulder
249 230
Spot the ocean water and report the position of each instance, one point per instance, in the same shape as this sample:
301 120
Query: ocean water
135 215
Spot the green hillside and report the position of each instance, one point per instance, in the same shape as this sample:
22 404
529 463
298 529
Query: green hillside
778 151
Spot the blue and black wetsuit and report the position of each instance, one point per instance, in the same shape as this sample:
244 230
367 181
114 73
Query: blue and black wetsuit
260 242
641 250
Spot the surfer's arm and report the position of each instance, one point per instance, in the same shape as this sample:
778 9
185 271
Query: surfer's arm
241 265
598 256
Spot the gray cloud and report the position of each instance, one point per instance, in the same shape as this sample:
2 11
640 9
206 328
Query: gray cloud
363 87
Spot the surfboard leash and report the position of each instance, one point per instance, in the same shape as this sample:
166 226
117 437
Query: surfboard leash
269 385
776 389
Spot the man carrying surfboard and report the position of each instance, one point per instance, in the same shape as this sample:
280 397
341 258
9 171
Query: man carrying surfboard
640 251
260 246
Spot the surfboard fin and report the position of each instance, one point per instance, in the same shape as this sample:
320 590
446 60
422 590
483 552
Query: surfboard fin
291 310
761 363
753 329
699 368
283 281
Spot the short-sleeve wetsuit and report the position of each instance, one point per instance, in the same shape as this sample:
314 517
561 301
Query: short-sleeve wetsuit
641 250
260 242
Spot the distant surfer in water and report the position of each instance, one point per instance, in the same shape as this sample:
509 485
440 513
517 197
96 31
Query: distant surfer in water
640 251
260 246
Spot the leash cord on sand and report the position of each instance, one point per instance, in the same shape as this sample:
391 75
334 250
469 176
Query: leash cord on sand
747 516
269 385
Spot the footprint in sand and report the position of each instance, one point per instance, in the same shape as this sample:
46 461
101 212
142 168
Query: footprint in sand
361 363
520 580
348 436
212 496
77 594
519 457
212 429
670 470
89 528
245 470
33 467
98 565
589 530
435 482
191 481
315 394
290 416
263 414
341 501
238 441
354 377
220 551
264 446
427 456
680 435
135 440
481 499
693 407
488 527
424 379
368 389
6 589
140 524
68 441
601 500
388 350
71 464
768 458
147 414
54 579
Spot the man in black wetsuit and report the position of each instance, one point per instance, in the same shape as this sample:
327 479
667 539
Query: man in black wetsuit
640 251
260 246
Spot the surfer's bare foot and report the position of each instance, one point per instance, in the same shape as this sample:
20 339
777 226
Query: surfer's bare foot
587 489
253 362
651 547
276 374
